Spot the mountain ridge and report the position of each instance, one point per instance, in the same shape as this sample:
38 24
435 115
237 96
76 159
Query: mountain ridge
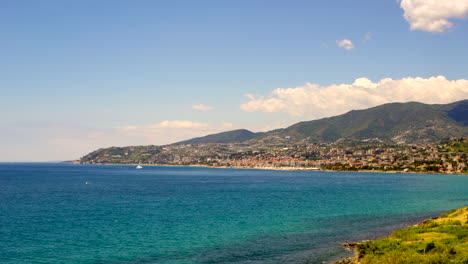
232 136
409 122
399 137
393 123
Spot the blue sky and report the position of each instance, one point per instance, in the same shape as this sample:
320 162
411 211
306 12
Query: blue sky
78 75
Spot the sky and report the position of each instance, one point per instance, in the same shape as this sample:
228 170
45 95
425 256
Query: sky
80 75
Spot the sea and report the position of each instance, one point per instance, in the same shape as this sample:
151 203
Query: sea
64 213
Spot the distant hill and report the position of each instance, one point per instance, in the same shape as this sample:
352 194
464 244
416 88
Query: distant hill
234 136
398 122
394 123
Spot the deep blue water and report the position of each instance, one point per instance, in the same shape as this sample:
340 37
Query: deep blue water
61 213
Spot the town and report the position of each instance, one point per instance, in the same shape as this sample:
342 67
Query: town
447 156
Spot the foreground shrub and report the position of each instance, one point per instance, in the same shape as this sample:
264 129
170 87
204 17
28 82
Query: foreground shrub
442 240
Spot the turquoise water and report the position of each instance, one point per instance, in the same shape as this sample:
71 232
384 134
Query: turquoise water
61 213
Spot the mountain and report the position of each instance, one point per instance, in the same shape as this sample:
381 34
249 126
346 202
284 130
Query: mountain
384 129
234 136
398 122
394 123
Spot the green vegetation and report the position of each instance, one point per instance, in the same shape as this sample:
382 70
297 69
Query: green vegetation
396 137
234 136
338 156
395 122
441 240
400 122
458 146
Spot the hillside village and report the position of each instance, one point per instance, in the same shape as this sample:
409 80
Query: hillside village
400 137
449 156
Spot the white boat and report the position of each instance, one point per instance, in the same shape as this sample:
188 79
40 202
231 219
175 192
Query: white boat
139 167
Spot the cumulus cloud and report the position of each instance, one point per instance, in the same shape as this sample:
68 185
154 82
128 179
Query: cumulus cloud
202 107
169 131
228 125
345 44
433 15
315 101
180 124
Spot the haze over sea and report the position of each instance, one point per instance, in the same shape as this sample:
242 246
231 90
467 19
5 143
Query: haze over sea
62 213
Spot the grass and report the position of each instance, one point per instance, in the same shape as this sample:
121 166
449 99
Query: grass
440 240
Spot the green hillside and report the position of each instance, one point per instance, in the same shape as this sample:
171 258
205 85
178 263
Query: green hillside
395 122
390 125
234 136
399 122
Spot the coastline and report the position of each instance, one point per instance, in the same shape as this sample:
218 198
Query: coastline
427 235
275 168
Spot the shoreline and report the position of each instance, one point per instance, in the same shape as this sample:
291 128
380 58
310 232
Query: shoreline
277 168
353 246
428 226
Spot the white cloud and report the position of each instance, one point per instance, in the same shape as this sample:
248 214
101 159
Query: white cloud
228 125
202 107
345 44
315 101
179 124
169 131
433 15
